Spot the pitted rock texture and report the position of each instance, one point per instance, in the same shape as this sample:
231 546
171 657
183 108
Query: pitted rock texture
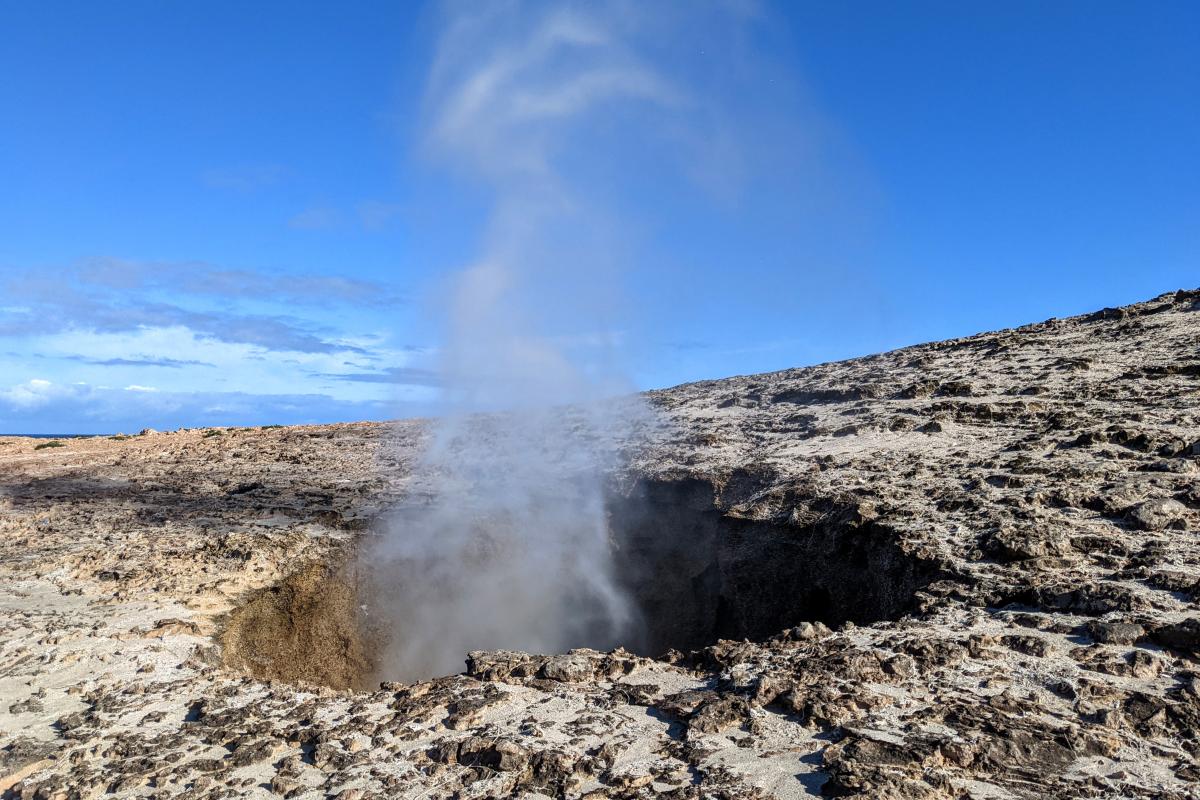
970 569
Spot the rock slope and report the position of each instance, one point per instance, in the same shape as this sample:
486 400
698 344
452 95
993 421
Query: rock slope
966 569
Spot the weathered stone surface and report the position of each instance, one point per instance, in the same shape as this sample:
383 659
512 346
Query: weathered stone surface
1154 515
965 569
1115 632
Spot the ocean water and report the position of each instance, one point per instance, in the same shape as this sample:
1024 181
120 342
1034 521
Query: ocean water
55 435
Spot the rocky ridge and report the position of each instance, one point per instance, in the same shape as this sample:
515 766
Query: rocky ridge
965 569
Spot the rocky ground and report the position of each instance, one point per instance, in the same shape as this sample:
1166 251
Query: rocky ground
966 569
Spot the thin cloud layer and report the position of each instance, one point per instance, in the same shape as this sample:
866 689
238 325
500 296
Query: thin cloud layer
112 295
245 177
316 219
141 361
197 277
404 376
196 343
40 406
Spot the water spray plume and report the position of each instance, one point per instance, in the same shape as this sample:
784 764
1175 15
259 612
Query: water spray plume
511 548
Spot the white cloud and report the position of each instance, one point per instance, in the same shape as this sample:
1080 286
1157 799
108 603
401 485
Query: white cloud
180 360
111 343
31 394
41 406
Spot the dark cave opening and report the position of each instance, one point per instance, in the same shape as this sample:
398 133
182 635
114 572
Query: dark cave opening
698 575
695 574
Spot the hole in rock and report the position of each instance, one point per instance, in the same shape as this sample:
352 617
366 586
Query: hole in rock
694 574
698 575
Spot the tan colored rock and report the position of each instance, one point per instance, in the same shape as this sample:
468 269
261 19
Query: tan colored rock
962 567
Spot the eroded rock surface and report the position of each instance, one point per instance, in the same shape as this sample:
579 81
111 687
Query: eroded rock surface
967 569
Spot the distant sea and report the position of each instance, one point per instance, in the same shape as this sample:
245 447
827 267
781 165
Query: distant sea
55 435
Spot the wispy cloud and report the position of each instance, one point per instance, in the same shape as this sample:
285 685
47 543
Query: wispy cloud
114 295
405 376
40 405
372 216
245 177
64 311
688 344
198 277
144 361
316 219
118 343
376 215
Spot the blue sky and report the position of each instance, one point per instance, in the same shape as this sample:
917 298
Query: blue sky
229 213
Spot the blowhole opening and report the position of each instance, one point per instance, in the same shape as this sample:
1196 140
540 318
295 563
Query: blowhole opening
698 575
695 575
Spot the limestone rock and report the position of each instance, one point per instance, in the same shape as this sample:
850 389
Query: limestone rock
967 568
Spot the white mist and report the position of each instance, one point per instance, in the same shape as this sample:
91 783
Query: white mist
534 102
